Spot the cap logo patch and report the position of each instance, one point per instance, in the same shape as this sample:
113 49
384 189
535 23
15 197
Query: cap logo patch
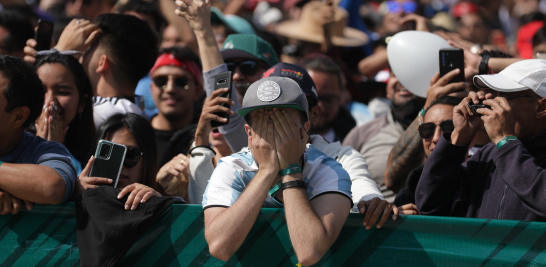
292 73
268 72
268 91
228 45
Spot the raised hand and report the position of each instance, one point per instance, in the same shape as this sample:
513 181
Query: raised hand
78 35
139 194
49 125
465 121
85 182
261 141
212 105
290 140
440 86
499 121
196 12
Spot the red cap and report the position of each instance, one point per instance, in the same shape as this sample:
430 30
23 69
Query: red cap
463 8
525 38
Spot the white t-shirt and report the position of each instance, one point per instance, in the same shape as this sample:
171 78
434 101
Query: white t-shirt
104 107
321 173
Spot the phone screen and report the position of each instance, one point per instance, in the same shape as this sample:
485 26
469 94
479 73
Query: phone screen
43 35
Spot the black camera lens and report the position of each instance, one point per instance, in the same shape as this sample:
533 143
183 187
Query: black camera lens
105 150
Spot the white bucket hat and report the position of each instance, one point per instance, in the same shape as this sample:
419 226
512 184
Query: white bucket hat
523 75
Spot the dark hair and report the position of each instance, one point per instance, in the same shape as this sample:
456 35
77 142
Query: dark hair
130 42
147 8
530 17
322 63
19 27
539 37
24 88
183 54
446 100
144 135
81 129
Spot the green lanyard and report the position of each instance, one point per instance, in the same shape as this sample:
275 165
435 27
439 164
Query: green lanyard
275 189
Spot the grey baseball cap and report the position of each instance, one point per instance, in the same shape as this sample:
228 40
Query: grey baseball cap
274 92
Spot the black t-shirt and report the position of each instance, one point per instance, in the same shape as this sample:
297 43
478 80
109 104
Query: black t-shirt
407 194
172 143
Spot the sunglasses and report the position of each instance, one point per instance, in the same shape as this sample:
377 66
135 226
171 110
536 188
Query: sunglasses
180 81
395 7
426 130
248 67
132 157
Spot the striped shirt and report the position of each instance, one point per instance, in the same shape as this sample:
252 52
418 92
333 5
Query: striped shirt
233 173
104 107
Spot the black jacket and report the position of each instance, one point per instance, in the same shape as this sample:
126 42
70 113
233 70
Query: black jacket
106 231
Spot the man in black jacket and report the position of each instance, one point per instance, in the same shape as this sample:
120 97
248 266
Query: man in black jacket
506 178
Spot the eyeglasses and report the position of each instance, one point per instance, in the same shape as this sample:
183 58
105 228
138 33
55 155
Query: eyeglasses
132 157
248 67
426 130
396 7
180 81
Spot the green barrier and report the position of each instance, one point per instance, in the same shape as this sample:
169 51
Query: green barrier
46 236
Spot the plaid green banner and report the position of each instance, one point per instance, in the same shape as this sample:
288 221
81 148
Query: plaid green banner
46 236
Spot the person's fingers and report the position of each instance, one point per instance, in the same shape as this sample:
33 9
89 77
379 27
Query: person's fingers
126 190
376 213
293 127
218 101
96 180
147 196
131 199
218 92
138 199
304 136
31 43
453 87
465 109
7 207
92 37
474 97
446 78
434 78
371 206
454 44
361 206
261 123
29 205
494 103
279 130
395 212
481 95
270 136
386 213
30 51
285 122
16 205
216 109
87 169
503 102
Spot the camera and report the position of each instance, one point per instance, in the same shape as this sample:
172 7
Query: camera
105 150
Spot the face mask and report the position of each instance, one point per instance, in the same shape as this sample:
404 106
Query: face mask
406 113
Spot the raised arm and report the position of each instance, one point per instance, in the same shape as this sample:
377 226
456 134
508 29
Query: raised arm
180 24
408 152
197 13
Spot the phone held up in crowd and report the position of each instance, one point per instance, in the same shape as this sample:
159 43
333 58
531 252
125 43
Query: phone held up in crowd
109 159
223 80
43 35
450 59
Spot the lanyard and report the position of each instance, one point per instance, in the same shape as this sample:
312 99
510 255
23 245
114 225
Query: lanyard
275 189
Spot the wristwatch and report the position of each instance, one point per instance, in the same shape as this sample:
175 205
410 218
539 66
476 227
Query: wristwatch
482 69
295 183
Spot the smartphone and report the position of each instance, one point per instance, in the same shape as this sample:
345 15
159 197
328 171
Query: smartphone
43 35
475 108
223 80
109 159
450 59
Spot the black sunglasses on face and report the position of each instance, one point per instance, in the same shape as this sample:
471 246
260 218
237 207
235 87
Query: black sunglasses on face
426 130
248 67
180 82
132 157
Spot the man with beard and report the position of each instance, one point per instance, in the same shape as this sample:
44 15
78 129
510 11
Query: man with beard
375 139
247 56
335 120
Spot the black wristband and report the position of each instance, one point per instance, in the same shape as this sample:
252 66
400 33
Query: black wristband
207 147
482 69
295 183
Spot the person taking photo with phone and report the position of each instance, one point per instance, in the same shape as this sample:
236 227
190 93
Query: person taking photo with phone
139 169
503 180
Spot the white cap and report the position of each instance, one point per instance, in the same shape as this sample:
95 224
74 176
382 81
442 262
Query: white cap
527 74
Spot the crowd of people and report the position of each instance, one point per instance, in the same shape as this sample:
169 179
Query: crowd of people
317 116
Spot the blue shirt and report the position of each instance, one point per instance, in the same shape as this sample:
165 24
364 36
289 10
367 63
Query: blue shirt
321 173
143 93
36 150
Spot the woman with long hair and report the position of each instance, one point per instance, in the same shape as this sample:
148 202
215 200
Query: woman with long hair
67 117
140 166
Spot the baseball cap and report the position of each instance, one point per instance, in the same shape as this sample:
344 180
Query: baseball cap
234 22
527 74
248 46
296 73
274 92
